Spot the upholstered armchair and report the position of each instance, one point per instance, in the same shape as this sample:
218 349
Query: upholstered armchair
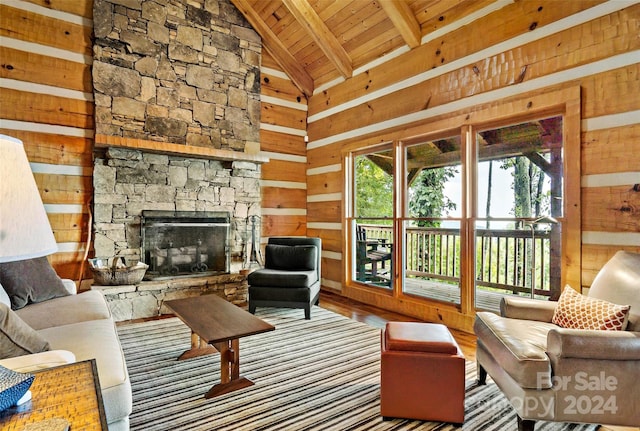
556 373
290 277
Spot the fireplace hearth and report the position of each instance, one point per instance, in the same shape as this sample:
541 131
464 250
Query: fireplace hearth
185 243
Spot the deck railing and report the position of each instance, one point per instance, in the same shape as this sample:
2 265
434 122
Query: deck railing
504 257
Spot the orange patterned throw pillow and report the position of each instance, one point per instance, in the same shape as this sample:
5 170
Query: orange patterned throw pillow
577 311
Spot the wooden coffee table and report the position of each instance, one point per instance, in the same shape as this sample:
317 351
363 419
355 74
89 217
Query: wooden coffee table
217 322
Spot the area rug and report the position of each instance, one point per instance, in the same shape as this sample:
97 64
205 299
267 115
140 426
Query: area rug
318 374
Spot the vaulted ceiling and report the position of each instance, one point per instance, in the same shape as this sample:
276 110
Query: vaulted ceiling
319 41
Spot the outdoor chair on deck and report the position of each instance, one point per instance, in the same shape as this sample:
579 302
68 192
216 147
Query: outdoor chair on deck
371 251
290 277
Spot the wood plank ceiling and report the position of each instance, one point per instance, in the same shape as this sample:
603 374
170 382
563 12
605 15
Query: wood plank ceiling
319 41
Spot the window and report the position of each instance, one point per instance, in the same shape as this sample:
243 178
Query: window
518 196
472 207
373 222
432 227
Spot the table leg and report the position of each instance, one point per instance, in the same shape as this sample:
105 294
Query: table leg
199 347
230 379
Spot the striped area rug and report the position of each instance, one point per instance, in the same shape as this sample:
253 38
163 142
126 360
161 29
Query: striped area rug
321 374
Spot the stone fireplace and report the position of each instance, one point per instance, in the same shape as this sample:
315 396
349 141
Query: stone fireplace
176 83
171 74
178 243
127 183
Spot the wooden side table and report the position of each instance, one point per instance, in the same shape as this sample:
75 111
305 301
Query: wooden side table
70 392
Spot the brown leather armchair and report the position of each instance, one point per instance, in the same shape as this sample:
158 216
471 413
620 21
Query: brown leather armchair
567 375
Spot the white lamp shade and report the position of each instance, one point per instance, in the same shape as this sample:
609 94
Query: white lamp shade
25 231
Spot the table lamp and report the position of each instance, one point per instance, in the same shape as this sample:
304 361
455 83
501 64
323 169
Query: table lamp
25 232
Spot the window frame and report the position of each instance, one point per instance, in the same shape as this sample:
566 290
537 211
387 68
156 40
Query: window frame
541 104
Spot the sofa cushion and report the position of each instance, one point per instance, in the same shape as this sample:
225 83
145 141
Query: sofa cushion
284 294
82 307
30 280
519 346
4 298
266 277
16 337
576 311
98 339
619 282
39 361
291 257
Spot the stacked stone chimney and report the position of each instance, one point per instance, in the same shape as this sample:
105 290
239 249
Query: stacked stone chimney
179 72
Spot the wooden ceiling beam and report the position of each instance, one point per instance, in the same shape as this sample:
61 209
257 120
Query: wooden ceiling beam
271 43
404 21
318 30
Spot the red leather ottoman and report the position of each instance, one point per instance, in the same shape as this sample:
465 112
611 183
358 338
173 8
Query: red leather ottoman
422 373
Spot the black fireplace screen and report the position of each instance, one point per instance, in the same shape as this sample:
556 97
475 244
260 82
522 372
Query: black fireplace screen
178 243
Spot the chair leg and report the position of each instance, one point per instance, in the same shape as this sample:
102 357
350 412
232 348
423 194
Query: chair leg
307 312
482 375
526 424
252 308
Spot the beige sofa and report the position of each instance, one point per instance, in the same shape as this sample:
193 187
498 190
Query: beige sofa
564 374
78 327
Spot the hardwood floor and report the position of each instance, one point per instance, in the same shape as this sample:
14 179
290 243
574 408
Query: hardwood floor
378 317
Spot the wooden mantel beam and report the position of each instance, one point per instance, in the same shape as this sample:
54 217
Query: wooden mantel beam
404 21
318 30
270 41
104 141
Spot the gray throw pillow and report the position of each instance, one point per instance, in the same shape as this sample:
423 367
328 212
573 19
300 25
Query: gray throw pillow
291 257
30 280
16 337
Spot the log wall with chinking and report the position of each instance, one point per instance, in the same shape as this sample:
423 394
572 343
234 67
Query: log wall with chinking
46 100
282 139
522 49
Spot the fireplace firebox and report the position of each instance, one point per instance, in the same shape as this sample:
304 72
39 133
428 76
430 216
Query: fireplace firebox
185 243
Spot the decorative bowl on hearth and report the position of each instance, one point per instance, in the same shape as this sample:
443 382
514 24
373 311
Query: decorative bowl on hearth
115 272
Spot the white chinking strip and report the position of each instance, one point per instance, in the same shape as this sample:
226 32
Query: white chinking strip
46 128
284 211
45 89
283 184
611 63
611 180
326 197
325 169
611 238
283 156
282 129
51 13
285 103
45 50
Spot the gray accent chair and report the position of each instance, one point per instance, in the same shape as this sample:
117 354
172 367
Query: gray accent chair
566 375
291 276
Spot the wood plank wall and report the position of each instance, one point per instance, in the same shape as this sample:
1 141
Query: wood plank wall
283 126
46 100
517 50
